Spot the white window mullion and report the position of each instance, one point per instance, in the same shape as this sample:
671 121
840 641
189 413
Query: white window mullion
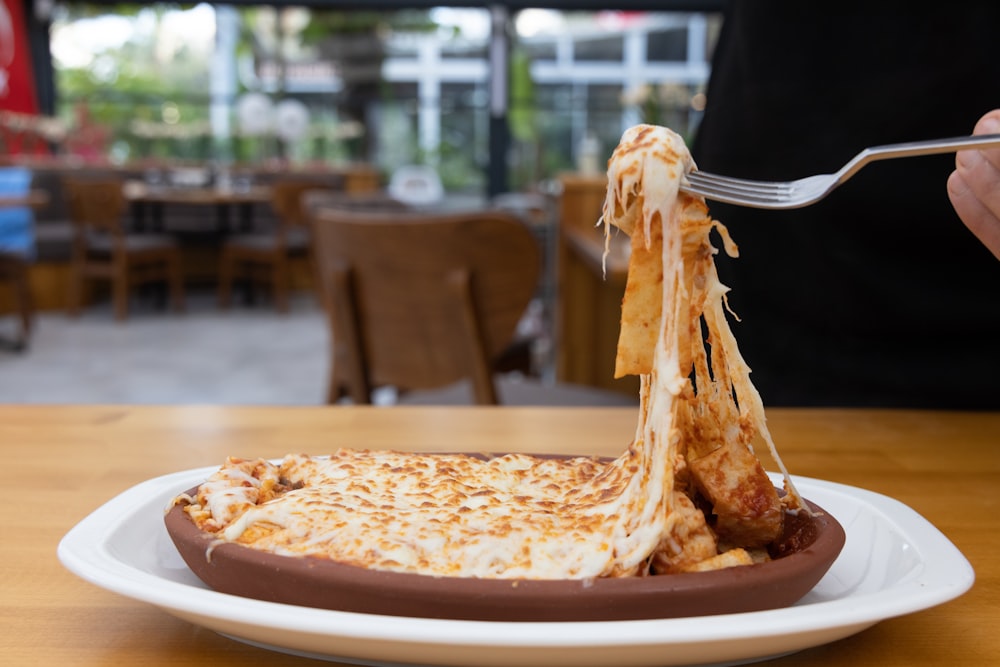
429 96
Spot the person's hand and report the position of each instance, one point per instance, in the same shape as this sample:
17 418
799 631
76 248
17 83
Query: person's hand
974 186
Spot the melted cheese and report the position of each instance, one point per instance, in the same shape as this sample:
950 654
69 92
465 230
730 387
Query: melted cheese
520 516
514 516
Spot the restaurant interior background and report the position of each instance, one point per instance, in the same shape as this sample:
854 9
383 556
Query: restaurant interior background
493 98
386 86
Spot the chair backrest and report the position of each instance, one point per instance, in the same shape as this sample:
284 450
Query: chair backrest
96 204
420 300
377 201
532 207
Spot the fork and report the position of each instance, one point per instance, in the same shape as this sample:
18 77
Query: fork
809 190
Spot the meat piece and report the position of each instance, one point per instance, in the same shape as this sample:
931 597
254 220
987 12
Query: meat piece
690 540
744 501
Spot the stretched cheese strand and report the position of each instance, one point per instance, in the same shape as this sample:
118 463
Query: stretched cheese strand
645 173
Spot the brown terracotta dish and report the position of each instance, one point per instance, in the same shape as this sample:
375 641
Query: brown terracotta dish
801 558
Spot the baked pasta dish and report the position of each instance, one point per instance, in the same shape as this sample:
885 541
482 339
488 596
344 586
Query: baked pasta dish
688 493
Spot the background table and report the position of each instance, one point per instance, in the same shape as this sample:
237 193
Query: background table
141 195
34 199
63 462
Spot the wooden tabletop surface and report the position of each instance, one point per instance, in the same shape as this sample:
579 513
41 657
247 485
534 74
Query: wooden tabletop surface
140 192
33 199
65 461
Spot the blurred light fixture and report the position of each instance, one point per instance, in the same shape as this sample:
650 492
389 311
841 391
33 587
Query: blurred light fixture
254 114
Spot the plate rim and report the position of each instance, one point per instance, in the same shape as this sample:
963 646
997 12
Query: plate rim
946 574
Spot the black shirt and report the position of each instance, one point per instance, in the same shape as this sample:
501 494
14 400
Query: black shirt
878 295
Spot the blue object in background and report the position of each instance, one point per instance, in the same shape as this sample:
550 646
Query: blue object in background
17 224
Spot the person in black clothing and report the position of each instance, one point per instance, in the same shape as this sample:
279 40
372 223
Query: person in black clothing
974 187
877 295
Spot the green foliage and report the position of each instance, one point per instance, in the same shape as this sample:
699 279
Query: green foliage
134 84
522 116
324 24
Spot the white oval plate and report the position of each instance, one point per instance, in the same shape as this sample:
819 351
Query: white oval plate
894 563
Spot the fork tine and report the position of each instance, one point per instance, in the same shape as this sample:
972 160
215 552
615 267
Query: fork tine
743 198
760 194
700 179
739 193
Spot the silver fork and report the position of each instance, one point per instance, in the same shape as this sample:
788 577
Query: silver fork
809 190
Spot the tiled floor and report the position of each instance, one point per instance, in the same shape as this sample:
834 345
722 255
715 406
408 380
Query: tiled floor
247 355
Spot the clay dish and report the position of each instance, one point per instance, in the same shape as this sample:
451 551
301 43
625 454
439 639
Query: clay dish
802 556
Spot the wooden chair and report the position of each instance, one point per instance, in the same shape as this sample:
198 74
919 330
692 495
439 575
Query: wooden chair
266 256
104 247
14 269
419 300
17 247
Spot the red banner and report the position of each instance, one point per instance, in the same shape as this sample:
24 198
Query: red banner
17 86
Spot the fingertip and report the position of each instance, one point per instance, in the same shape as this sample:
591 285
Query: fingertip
989 124
970 161
957 187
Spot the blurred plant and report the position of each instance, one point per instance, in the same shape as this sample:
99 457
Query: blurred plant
142 78
327 24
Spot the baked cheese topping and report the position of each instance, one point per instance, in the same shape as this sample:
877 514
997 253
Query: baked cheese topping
531 517
513 516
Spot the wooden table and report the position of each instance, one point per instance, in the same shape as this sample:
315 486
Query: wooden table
34 199
63 462
141 195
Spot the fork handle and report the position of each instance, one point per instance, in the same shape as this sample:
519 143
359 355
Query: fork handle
912 148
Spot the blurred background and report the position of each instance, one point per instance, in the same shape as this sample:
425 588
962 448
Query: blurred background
386 83
198 111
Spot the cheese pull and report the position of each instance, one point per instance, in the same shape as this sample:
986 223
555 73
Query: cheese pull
687 493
